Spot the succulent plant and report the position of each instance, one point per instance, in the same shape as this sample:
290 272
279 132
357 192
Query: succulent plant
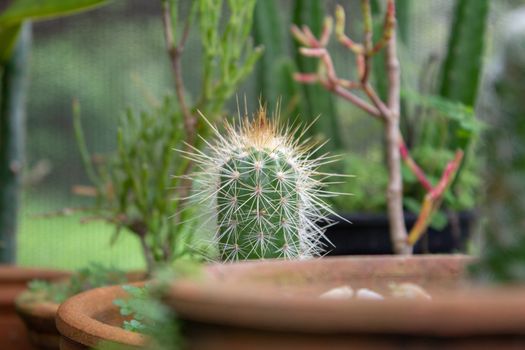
266 190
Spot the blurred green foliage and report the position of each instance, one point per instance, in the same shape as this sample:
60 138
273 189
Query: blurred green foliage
146 310
142 187
435 114
114 57
92 276
432 121
103 82
503 241
12 18
15 47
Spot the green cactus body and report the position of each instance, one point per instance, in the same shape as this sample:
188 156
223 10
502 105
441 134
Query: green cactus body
258 206
267 202
463 65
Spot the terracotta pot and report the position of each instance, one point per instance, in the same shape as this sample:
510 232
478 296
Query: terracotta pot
90 317
39 318
13 281
276 305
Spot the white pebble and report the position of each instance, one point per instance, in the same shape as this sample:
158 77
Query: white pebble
409 291
344 292
368 294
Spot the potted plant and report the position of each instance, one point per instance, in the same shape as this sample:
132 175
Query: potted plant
13 281
267 197
16 18
143 188
337 302
397 147
434 121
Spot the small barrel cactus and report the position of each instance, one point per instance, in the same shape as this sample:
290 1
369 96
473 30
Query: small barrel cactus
263 184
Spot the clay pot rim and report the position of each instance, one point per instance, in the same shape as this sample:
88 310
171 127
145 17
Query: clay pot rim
21 274
75 318
40 309
48 309
458 313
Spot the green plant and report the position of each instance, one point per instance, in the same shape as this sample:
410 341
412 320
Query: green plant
462 67
274 71
502 255
15 42
144 187
429 150
87 278
265 187
427 119
146 313
386 110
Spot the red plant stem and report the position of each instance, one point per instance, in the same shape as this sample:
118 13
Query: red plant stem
357 101
448 175
412 165
434 198
367 39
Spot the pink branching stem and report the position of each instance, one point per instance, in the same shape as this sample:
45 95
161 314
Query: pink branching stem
387 112
448 175
433 199
306 78
414 168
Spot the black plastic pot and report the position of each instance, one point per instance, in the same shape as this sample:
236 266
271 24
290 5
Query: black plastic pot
368 234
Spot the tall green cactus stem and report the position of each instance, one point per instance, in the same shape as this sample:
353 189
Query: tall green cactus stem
12 135
267 32
462 67
267 198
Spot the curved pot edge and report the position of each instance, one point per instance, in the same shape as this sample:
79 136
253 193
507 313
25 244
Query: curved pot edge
75 321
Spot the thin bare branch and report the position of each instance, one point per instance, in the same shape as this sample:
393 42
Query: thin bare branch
175 53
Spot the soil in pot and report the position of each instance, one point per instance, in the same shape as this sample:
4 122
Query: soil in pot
39 312
368 234
276 305
13 281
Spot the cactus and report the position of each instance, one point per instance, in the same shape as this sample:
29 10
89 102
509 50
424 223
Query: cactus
461 71
264 185
267 32
274 69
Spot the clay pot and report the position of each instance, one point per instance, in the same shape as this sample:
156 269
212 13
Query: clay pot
39 318
276 305
13 281
88 318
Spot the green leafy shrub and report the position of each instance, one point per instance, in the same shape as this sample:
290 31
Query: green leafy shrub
143 186
84 279
429 136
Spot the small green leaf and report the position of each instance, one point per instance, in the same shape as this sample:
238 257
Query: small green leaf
21 10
